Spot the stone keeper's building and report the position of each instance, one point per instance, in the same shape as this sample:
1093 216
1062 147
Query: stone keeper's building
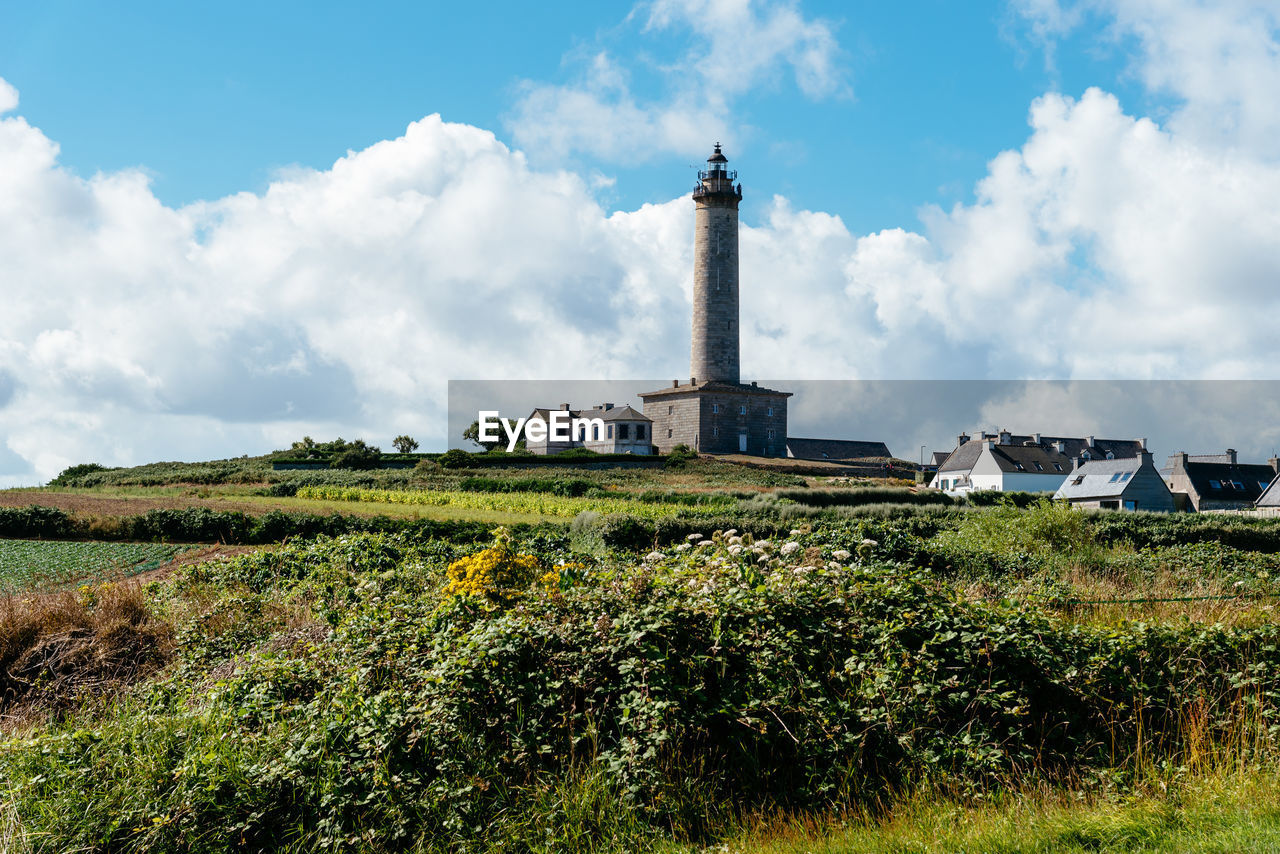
715 412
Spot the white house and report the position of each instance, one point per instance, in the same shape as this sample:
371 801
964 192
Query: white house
1006 462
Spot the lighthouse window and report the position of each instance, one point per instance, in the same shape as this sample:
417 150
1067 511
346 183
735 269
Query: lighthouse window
715 409
770 412
742 410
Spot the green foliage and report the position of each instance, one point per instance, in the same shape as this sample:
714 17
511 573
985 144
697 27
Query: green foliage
454 458
70 475
405 444
679 456
675 695
358 456
472 434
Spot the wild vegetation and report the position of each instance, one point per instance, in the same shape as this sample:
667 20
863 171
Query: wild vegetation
721 667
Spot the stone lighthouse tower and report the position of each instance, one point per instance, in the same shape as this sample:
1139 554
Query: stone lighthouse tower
715 273
715 412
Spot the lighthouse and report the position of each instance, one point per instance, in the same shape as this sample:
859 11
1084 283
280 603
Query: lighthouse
715 412
715 273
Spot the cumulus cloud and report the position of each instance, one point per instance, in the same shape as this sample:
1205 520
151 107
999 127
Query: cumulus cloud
735 46
1217 59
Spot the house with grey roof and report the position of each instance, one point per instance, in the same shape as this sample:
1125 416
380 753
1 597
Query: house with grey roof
1125 483
1007 462
1218 481
610 430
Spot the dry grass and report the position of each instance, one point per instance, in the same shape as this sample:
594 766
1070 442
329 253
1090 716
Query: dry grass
58 650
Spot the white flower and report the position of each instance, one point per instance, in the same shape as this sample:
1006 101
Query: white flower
731 532
790 548
733 541
762 559
795 532
735 550
764 544
693 538
652 556
870 542
684 547
706 543
841 554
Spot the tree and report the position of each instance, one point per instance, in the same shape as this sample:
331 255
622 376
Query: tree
405 444
472 434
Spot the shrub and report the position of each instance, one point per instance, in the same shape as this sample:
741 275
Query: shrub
454 458
678 456
357 455
71 475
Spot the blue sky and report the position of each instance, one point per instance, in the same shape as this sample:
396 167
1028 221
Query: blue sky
215 100
225 227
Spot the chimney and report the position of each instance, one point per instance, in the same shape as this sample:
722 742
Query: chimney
1035 438
1275 464
1075 463
675 383
1142 443
1180 460
1144 458
606 406
1231 455
564 407
962 438
1005 437
1060 446
1088 440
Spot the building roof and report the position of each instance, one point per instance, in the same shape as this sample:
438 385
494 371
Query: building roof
1271 497
1100 479
715 387
940 457
964 456
1242 483
836 449
615 413
1033 459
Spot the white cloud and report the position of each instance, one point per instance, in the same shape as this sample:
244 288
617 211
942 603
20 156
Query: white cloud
1217 58
735 46
8 97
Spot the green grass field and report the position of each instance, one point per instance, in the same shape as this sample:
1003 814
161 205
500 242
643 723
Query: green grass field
30 564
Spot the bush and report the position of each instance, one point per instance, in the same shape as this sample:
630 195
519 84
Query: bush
454 458
35 523
357 456
679 455
71 475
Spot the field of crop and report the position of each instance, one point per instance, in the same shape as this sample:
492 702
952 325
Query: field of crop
40 565
542 503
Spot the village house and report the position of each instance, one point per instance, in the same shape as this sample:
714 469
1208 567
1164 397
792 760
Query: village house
621 430
1009 462
1124 483
1218 481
